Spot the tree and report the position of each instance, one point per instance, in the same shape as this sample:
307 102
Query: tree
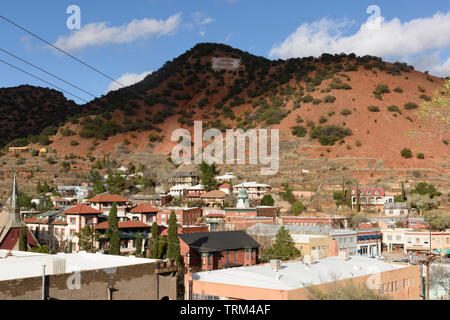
297 208
422 202
435 114
23 239
267 200
283 248
208 173
139 244
96 181
287 194
154 242
358 205
86 237
113 231
115 183
45 204
358 218
424 188
173 243
40 249
403 192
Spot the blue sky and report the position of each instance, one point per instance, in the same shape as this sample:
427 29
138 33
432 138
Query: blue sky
129 39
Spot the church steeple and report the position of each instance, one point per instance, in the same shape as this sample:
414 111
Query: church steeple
13 201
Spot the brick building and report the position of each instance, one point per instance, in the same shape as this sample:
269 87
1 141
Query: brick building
218 250
185 216
368 239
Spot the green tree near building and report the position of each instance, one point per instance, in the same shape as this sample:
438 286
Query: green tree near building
208 172
115 183
287 194
403 192
283 248
139 240
358 205
154 242
173 243
23 244
267 200
86 238
113 231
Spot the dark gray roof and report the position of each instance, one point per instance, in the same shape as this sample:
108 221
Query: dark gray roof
184 174
219 241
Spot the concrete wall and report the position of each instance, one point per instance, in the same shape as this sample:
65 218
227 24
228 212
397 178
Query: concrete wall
136 282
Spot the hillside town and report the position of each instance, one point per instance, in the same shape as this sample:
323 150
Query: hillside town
212 234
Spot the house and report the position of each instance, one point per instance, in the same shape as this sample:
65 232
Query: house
289 280
396 209
61 202
189 178
144 213
128 231
185 216
415 223
225 187
104 202
179 190
394 239
76 219
194 193
11 223
46 228
369 239
213 199
217 250
226 177
75 192
255 190
371 198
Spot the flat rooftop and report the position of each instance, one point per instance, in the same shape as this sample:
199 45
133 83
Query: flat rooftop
294 275
304 238
27 264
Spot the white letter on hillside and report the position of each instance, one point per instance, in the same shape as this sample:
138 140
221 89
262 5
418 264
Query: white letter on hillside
216 146
274 159
184 146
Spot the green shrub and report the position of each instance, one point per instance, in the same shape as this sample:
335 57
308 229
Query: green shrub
410 105
346 112
425 97
299 131
420 155
398 89
406 153
323 119
394 108
329 99
317 101
373 109
307 99
74 143
358 143
328 135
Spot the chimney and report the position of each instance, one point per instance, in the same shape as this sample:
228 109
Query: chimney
308 259
343 254
275 264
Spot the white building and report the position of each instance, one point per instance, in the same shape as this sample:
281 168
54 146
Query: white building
396 209
179 190
226 177
394 239
255 190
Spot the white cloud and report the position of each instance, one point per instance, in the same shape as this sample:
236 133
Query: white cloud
128 79
432 64
207 21
392 39
228 37
99 33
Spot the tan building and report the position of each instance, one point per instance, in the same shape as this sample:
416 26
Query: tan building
312 244
213 199
290 281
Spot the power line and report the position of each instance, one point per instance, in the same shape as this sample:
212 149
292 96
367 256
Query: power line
61 50
51 84
51 74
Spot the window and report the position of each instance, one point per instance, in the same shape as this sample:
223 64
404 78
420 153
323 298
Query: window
124 244
204 258
135 219
404 282
163 216
210 256
253 254
73 221
377 192
389 237
235 255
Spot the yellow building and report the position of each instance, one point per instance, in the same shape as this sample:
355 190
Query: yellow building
315 245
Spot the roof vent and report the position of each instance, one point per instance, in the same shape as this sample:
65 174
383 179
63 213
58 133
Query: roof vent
343 254
55 266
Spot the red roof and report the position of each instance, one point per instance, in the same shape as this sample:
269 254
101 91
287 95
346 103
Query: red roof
12 238
142 208
225 186
108 198
124 225
82 209
215 215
